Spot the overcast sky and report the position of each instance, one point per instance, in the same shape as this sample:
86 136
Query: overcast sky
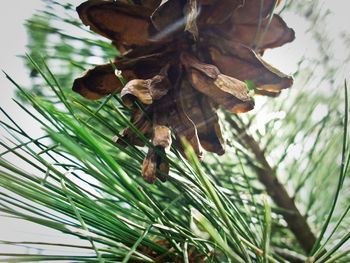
12 43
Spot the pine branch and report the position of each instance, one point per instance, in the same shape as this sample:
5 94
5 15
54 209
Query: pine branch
267 175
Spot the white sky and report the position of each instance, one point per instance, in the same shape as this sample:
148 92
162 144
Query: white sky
12 43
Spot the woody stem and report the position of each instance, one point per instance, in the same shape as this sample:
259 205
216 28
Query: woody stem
267 175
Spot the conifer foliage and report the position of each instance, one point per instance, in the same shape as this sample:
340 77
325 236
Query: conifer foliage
119 173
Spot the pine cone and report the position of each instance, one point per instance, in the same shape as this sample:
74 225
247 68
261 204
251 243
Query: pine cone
183 60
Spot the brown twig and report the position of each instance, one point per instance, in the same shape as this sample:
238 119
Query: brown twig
267 175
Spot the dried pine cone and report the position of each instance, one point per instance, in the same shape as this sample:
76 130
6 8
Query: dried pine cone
183 60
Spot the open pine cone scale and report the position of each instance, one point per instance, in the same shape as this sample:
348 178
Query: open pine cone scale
184 59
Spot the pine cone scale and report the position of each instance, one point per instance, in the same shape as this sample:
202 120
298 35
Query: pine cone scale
183 60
